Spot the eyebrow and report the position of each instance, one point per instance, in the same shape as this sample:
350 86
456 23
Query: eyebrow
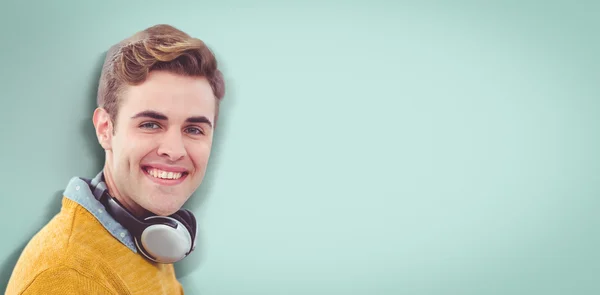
159 116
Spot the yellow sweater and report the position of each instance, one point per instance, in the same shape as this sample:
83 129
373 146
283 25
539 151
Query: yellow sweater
75 254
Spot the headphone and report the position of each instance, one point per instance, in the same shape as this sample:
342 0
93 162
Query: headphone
162 239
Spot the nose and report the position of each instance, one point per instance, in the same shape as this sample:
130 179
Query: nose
172 146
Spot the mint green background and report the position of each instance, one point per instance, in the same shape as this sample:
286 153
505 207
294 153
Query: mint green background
364 147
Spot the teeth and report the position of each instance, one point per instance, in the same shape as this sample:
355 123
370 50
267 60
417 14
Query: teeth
164 174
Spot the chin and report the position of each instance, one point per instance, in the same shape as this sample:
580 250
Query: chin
163 211
166 198
164 204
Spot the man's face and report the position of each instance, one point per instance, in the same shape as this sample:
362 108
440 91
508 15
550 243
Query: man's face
162 141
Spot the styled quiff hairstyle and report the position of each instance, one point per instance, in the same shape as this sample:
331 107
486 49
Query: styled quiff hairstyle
160 47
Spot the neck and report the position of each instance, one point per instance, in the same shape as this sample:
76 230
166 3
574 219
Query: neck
127 202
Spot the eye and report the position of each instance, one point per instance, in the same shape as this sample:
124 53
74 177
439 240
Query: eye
194 130
149 125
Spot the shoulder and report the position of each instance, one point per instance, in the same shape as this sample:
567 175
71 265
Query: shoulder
59 252
44 250
65 280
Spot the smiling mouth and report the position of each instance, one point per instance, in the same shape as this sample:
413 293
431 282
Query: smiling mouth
165 175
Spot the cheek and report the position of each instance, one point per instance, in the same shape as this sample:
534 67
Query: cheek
136 149
199 154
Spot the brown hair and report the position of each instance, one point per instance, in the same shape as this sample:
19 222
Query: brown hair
160 47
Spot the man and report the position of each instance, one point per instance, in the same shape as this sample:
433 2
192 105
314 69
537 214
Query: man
120 231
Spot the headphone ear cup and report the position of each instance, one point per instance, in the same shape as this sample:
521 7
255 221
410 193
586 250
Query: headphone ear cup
140 247
165 240
188 219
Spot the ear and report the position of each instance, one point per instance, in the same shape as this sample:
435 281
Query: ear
104 128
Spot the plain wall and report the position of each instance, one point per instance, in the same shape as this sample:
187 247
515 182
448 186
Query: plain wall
363 148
